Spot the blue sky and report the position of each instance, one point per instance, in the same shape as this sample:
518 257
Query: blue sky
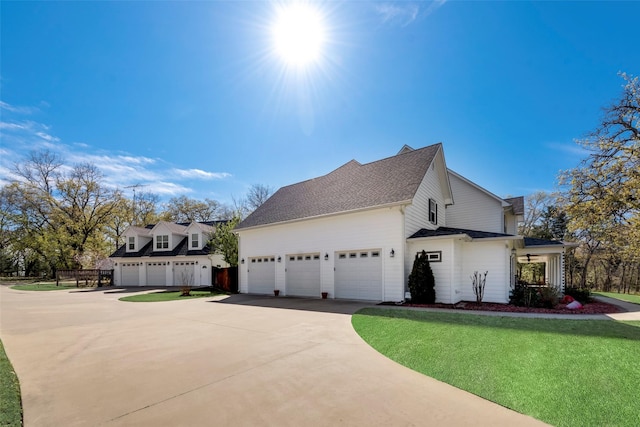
189 98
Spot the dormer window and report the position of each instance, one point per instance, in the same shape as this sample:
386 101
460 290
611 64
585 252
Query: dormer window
194 240
162 242
433 211
132 243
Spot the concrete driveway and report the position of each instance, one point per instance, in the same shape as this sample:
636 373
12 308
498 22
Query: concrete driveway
85 358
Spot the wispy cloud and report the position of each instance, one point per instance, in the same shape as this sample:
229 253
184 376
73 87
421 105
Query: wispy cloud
405 13
571 148
17 109
200 174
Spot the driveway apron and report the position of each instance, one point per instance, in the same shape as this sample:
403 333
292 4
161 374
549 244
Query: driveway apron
85 358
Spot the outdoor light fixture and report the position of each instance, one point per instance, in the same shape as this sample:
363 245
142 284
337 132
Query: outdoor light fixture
279 259
242 261
326 257
393 253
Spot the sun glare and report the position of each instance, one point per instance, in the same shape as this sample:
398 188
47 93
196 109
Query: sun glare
299 34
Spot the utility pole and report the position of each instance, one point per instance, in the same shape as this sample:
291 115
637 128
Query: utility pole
133 187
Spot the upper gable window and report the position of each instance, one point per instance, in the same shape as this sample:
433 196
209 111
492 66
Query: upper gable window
162 242
194 240
132 243
433 211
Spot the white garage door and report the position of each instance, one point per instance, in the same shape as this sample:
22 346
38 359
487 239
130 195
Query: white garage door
184 273
156 273
303 275
262 275
358 275
130 276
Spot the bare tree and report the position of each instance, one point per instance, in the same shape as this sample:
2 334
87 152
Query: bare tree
257 195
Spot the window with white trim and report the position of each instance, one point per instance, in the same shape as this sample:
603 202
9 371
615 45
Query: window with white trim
162 242
194 240
433 211
433 256
132 243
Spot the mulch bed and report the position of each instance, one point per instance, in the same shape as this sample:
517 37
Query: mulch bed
595 307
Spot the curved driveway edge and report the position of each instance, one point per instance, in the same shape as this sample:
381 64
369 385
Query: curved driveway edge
84 358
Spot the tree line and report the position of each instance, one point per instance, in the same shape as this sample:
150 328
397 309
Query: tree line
597 204
59 216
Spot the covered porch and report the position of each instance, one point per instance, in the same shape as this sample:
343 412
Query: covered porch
549 253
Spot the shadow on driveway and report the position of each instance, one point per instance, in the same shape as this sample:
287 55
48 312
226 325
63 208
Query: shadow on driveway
293 303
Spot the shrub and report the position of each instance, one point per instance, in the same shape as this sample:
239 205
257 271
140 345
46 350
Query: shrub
185 291
478 281
583 295
422 283
549 296
523 295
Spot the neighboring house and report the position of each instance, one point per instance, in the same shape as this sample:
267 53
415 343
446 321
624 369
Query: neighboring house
166 254
354 233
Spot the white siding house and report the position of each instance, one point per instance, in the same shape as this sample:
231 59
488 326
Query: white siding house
354 233
166 254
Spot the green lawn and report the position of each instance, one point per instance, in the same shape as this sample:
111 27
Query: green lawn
10 403
624 297
563 372
45 286
167 296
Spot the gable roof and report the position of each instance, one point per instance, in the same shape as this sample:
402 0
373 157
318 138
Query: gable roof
147 251
517 204
351 187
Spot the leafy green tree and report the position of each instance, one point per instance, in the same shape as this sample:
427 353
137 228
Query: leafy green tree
602 194
421 281
185 209
224 241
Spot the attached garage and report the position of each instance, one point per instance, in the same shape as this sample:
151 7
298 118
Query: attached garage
358 275
303 275
184 273
130 274
262 275
157 273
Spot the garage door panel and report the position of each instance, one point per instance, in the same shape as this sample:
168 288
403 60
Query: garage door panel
303 275
358 275
262 275
130 274
184 273
157 273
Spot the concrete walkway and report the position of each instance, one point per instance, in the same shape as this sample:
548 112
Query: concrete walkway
87 359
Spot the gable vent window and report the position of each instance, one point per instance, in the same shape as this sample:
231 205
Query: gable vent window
433 211
132 243
162 242
194 240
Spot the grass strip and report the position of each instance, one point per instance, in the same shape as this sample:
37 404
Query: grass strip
46 286
167 296
10 402
563 372
623 297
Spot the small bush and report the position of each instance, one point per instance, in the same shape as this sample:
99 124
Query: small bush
583 295
549 296
421 281
523 295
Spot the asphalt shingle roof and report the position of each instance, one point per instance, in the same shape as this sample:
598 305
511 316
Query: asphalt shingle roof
351 187
517 203
450 231
181 249
533 241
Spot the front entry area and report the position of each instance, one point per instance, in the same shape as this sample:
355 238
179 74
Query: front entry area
358 275
303 275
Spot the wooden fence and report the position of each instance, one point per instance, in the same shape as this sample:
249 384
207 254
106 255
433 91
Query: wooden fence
89 277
